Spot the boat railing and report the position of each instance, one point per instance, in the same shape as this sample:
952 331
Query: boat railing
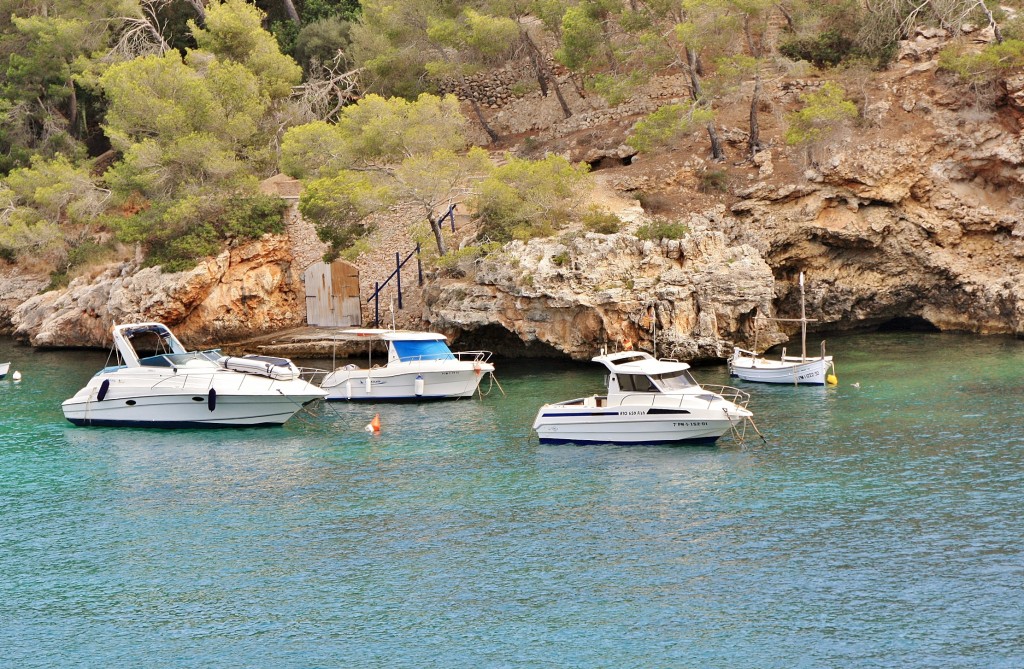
204 380
473 356
461 356
729 393
314 375
711 394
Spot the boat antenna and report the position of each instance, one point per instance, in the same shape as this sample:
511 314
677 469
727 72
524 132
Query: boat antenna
654 327
803 321
756 328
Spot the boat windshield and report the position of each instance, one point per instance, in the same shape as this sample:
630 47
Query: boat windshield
422 350
680 380
179 359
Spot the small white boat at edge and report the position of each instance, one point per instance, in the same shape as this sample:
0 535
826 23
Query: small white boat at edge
177 388
4 368
420 366
749 366
649 401
797 370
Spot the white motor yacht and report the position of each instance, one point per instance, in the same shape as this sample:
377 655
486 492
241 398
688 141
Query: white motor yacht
419 366
175 388
649 401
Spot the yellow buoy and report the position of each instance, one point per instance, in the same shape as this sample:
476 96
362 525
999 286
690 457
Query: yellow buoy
831 380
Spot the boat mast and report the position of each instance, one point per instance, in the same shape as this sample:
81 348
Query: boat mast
803 321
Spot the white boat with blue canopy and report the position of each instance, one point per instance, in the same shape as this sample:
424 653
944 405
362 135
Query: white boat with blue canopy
649 401
418 366
172 387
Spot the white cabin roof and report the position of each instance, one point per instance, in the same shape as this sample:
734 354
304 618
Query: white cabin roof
639 362
381 334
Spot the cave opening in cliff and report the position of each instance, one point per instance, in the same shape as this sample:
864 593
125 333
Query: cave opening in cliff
907 324
608 162
505 344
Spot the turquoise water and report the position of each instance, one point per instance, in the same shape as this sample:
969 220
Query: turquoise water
881 526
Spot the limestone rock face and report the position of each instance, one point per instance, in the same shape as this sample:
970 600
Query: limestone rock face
15 288
927 227
246 290
691 297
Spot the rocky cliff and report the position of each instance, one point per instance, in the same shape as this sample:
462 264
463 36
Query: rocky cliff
914 213
246 290
687 298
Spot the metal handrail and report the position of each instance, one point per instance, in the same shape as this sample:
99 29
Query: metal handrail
399 264
461 356
716 392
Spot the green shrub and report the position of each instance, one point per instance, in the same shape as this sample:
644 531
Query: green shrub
453 262
252 217
178 234
654 203
602 222
84 253
826 49
524 199
713 180
561 259
358 247
662 229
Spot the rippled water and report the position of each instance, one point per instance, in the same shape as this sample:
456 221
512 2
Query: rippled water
880 526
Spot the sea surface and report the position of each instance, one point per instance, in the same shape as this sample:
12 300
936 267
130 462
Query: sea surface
881 525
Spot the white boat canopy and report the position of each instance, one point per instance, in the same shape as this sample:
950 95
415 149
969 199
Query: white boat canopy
374 334
123 335
639 362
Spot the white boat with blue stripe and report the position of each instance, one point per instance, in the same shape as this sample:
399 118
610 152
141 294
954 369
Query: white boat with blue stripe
177 388
419 366
649 401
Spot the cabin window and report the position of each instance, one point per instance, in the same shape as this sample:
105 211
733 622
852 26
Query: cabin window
675 381
636 383
422 350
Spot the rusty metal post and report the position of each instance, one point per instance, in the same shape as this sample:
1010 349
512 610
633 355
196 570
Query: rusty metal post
419 263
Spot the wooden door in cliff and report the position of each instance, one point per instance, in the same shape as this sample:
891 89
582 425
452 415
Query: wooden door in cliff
332 294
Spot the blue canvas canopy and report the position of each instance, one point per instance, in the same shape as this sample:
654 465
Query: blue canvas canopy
422 350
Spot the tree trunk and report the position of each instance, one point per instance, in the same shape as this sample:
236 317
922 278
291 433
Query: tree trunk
544 74
200 7
538 67
289 8
717 152
754 141
992 22
561 99
435 226
697 93
73 108
480 117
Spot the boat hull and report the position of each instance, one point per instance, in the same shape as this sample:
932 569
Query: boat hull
811 372
449 381
630 425
4 368
123 398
